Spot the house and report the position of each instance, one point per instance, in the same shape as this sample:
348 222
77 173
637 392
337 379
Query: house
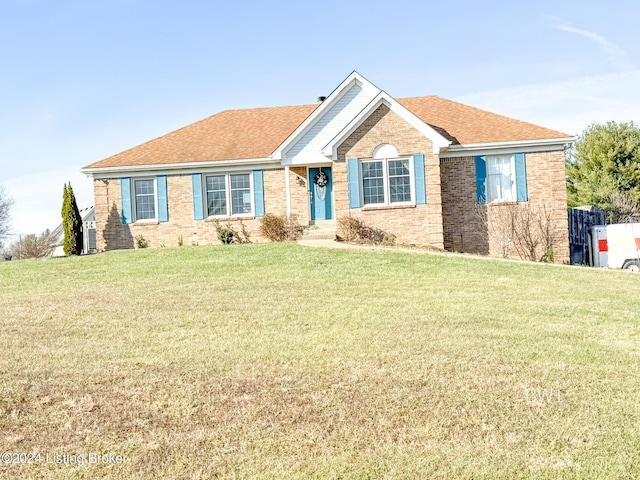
428 170
88 217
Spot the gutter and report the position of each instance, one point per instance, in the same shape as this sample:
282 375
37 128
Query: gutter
189 166
519 145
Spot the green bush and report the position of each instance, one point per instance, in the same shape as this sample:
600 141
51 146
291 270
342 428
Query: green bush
228 235
353 229
279 228
141 242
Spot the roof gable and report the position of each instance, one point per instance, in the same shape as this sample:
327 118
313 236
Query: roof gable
383 98
338 109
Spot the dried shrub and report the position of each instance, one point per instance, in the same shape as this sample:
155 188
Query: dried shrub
523 230
228 235
279 228
353 229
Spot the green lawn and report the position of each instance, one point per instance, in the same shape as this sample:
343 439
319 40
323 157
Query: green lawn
280 361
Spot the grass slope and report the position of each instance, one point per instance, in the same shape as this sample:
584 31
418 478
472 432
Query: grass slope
279 361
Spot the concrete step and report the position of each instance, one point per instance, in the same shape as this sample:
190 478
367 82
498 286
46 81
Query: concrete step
320 234
322 224
320 230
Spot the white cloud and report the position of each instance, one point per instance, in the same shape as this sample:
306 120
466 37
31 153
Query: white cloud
617 55
570 105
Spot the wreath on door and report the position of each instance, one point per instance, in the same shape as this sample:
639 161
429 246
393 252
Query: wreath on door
321 179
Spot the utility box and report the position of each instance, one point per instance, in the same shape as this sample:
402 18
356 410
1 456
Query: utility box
616 246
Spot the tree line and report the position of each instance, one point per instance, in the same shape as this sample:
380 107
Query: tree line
603 169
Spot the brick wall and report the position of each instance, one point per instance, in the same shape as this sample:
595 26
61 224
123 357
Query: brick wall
111 234
421 224
299 194
464 228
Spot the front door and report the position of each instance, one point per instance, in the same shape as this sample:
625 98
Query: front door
321 193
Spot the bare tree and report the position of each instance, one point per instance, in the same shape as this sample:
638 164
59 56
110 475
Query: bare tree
525 230
499 222
623 208
6 203
33 246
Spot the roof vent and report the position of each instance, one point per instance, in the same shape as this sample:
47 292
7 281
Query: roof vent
321 99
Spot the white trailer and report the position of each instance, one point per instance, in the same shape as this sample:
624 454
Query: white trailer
616 246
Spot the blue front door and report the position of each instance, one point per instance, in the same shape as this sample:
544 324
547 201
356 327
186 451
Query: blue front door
321 193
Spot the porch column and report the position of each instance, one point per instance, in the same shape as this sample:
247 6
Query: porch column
287 189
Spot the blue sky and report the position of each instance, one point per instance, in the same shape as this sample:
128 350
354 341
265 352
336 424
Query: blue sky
85 79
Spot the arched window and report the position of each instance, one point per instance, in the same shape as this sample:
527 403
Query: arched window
386 179
385 150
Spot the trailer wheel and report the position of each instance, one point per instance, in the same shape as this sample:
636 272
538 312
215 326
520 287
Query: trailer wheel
632 265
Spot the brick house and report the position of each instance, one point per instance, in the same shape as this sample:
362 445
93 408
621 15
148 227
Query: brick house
428 170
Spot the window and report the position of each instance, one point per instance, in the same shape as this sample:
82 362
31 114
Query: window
501 178
216 195
399 181
386 181
145 199
373 182
228 189
240 194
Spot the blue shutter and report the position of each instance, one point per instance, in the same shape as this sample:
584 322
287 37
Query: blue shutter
353 177
125 197
418 171
521 178
481 179
163 205
196 183
258 193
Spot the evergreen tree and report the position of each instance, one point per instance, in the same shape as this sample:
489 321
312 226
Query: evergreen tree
605 166
71 222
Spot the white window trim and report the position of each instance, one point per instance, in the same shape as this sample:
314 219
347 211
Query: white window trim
134 206
227 182
514 193
385 181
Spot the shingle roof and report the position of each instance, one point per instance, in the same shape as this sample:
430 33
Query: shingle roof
257 132
469 125
228 135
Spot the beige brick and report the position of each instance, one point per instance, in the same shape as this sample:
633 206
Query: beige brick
111 234
420 224
463 228
449 220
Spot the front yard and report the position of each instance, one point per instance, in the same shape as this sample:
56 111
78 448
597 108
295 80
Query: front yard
279 361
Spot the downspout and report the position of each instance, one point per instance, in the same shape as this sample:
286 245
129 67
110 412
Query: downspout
287 189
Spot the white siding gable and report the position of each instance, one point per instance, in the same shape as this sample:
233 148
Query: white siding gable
308 148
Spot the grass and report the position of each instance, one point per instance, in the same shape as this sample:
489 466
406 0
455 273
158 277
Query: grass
279 361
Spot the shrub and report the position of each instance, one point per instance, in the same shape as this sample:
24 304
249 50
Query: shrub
524 230
141 242
279 228
228 235
353 229
225 234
